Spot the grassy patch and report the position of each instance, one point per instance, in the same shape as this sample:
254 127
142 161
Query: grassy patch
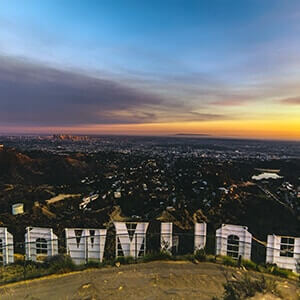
273 269
157 256
124 260
250 265
228 261
95 264
200 255
59 264
21 270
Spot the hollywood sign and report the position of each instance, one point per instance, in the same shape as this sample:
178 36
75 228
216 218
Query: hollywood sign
85 245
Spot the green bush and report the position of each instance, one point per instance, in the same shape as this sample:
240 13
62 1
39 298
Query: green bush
249 265
22 270
200 255
59 264
245 287
94 264
157 256
281 272
211 258
189 257
229 261
273 269
125 260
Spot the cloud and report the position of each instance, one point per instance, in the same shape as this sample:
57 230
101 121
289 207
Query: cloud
229 102
291 101
37 95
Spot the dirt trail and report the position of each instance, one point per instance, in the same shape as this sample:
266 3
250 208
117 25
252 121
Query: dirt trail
155 280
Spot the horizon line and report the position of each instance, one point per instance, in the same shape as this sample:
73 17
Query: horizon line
173 135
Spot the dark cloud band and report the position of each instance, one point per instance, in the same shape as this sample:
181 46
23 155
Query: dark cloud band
291 101
36 95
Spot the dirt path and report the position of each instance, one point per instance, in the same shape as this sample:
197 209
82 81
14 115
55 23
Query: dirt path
155 280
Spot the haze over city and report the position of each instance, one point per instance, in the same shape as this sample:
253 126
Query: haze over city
222 68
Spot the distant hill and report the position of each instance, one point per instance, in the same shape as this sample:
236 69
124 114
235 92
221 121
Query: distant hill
193 134
40 168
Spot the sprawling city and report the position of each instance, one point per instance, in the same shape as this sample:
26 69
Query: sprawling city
65 180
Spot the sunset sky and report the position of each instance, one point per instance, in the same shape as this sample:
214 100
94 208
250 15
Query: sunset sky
218 67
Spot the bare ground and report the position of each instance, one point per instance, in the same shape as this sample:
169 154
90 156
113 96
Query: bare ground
155 280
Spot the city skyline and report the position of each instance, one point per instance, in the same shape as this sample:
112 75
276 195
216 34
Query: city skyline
222 68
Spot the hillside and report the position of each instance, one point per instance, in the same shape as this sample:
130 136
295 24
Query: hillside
40 167
151 187
155 280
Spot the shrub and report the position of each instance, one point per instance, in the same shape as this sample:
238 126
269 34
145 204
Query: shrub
125 260
189 257
93 264
157 256
211 258
273 269
281 272
246 287
59 264
249 265
200 255
229 261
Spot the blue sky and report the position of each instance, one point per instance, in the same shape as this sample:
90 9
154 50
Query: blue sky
158 35
198 61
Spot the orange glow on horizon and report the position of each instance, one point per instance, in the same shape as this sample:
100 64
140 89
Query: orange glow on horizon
275 129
